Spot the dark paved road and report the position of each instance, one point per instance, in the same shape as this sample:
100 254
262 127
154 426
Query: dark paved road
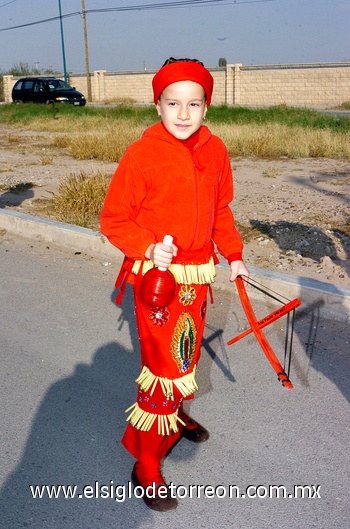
67 362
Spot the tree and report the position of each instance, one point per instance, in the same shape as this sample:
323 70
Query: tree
23 70
20 70
222 62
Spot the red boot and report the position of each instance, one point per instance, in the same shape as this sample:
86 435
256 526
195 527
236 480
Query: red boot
193 431
157 495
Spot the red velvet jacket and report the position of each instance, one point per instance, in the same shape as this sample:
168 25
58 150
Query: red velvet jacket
159 188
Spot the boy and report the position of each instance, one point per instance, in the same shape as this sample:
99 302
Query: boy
175 180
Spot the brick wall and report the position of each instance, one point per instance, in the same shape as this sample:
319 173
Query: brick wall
308 85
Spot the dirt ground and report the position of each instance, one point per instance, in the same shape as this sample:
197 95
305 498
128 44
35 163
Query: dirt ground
294 215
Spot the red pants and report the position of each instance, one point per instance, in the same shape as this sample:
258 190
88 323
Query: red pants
170 341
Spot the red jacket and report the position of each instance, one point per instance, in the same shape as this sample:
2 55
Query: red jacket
159 188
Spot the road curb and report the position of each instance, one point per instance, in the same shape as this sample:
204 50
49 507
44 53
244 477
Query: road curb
331 301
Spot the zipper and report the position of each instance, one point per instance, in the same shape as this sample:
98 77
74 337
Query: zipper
195 188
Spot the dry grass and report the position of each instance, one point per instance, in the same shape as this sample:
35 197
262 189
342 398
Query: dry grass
46 160
273 140
344 106
105 137
107 141
120 101
271 173
12 139
80 198
6 168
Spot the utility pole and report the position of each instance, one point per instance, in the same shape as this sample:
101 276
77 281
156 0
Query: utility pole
62 42
88 80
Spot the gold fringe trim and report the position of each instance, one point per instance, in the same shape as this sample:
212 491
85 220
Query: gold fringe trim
202 274
144 420
186 384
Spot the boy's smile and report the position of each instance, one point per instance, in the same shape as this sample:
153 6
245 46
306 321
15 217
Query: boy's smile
182 108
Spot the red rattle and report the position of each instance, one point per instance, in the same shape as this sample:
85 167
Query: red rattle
158 285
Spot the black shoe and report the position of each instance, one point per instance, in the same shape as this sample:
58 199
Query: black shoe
193 431
157 503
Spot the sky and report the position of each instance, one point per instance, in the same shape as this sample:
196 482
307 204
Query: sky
250 32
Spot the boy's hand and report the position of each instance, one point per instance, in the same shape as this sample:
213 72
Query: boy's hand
161 254
238 268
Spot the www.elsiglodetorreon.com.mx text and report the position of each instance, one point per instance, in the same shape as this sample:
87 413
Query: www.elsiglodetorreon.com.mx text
121 493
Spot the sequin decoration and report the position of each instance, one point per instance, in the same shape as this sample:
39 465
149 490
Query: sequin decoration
159 316
183 344
187 295
203 309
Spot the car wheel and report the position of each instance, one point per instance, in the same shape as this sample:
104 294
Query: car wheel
50 102
18 102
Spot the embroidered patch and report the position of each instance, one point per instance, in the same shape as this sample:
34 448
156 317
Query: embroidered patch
183 344
159 316
187 295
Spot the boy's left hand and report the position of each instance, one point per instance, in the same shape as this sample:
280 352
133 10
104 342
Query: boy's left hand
238 268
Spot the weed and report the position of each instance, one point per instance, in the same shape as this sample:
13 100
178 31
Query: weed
6 168
46 160
344 106
12 139
80 198
271 173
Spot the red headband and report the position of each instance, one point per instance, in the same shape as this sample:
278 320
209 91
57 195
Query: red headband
182 71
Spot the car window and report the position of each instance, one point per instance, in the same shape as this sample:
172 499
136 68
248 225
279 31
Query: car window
57 84
28 85
39 86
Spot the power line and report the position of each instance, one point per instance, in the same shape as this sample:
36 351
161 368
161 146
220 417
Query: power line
7 3
141 7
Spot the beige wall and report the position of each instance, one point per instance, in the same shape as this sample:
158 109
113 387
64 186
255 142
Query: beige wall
310 85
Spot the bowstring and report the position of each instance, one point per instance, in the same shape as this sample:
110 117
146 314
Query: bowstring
264 289
288 342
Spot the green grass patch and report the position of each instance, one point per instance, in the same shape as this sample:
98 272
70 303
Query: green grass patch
281 114
30 112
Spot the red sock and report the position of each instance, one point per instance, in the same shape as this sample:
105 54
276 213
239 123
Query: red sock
148 473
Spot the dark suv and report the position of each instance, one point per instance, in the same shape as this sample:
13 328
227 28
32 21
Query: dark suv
46 90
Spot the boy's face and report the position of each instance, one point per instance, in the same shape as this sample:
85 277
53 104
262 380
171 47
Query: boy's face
182 108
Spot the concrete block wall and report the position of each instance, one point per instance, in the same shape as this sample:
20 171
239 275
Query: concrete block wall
8 82
304 85
79 82
312 85
135 86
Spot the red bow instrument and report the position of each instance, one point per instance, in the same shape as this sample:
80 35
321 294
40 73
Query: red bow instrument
258 325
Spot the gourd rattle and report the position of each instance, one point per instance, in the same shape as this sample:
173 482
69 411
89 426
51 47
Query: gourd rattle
158 285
